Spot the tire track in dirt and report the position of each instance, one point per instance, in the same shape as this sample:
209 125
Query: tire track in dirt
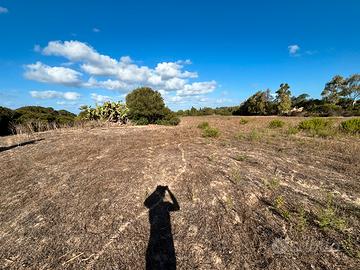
124 226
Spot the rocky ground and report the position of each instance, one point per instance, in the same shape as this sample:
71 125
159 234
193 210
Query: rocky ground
253 198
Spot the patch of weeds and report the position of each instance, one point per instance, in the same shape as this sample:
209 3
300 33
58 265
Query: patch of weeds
351 126
276 123
318 127
240 157
203 125
328 217
350 248
254 135
210 132
279 205
302 220
273 183
292 130
243 121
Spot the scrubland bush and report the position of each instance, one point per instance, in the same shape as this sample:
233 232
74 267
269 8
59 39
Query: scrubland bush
145 103
276 123
318 127
351 126
6 117
211 132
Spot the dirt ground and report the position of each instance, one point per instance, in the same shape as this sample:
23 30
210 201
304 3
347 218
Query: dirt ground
253 198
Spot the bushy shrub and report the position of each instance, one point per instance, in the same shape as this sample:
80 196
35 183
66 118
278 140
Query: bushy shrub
6 117
141 121
211 132
276 123
203 125
146 103
351 126
169 121
318 126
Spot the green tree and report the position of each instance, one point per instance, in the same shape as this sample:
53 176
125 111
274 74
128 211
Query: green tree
300 100
259 103
145 103
283 98
147 106
334 89
351 88
6 117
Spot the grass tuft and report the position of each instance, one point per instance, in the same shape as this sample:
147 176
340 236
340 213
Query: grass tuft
351 126
276 123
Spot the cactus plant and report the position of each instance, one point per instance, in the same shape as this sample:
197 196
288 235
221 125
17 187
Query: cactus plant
109 111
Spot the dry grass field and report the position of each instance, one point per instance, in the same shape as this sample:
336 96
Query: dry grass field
252 198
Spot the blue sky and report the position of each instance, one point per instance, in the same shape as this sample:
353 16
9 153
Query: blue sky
196 53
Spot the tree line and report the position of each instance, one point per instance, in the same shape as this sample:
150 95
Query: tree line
340 97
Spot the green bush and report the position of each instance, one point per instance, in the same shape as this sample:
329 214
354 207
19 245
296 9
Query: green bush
36 118
203 125
169 121
276 123
146 103
318 126
141 121
6 117
211 132
351 126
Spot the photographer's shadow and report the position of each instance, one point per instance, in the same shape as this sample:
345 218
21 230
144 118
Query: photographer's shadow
160 253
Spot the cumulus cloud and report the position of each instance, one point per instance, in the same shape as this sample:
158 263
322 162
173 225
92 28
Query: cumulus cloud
197 88
100 98
116 74
3 10
96 30
55 94
58 75
293 49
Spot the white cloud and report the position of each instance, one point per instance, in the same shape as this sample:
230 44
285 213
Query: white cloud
3 10
96 30
107 84
100 98
55 94
293 49
197 88
121 75
58 75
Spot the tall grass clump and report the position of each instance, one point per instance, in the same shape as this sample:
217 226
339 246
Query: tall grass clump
317 127
276 123
351 126
211 132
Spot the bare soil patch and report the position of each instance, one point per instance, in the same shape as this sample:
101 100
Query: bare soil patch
253 198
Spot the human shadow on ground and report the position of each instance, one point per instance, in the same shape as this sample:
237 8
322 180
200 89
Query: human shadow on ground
5 148
160 253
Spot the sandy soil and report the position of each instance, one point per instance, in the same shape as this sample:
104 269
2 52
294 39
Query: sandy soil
254 198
